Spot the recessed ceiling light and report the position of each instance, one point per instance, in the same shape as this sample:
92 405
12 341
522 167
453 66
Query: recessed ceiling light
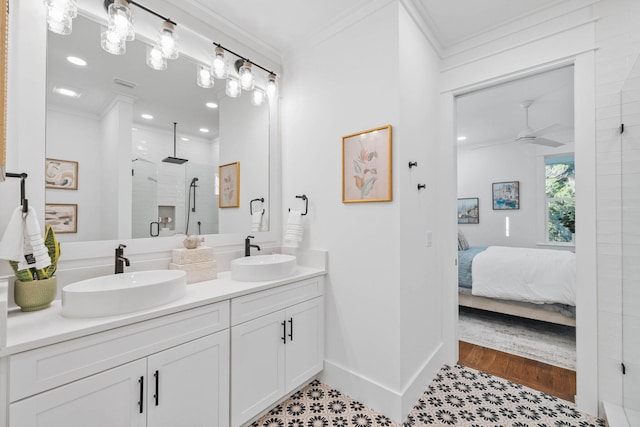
204 130
211 105
462 138
67 92
146 116
77 61
184 139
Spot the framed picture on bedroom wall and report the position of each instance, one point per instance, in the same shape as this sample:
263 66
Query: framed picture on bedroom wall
468 212
506 195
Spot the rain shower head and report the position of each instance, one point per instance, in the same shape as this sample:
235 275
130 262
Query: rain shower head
173 159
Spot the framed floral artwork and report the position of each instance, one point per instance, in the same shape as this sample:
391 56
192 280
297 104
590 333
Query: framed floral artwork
63 218
506 195
229 191
366 166
62 174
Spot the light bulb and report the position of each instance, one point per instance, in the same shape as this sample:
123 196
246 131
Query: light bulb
233 89
168 40
155 58
112 42
60 14
257 97
205 79
220 65
272 86
121 20
246 76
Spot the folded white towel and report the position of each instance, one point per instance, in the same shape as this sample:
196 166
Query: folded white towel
12 243
33 243
256 221
294 230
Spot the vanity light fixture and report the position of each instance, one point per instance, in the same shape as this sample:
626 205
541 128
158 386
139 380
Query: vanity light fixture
155 58
220 65
245 74
111 42
168 40
204 77
77 61
272 86
120 20
60 14
257 97
233 89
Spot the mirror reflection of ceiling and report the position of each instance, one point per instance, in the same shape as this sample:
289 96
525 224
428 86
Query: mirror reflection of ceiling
494 115
184 104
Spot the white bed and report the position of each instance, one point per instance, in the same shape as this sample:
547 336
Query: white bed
533 283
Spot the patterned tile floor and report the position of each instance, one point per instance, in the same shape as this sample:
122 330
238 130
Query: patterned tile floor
458 396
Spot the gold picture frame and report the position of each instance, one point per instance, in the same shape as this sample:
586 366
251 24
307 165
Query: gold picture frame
366 166
229 185
61 174
4 38
62 217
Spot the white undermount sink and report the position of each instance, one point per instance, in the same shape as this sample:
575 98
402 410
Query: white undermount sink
263 267
122 293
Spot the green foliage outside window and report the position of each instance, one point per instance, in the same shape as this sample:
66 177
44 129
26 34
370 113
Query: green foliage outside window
561 207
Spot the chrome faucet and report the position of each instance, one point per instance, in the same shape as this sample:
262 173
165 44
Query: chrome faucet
121 261
248 246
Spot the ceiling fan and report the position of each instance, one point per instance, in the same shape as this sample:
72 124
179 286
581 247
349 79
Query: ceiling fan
536 136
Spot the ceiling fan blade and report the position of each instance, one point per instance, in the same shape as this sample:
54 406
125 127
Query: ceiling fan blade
545 130
543 141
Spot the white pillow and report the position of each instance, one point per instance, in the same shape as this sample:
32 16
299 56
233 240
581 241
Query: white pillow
463 245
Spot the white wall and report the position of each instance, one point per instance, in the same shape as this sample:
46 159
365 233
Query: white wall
78 138
378 343
478 169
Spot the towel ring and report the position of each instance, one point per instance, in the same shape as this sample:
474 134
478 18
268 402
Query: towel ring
306 203
261 199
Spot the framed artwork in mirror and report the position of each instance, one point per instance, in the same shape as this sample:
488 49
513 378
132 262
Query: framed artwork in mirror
229 191
4 34
468 212
62 174
63 218
366 166
506 195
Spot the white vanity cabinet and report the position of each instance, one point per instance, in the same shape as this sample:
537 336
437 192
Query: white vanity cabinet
169 371
277 344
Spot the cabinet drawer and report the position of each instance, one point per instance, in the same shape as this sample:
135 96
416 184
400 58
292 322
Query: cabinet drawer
258 304
47 367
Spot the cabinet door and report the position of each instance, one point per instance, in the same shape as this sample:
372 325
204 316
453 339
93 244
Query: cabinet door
108 399
189 384
304 351
257 368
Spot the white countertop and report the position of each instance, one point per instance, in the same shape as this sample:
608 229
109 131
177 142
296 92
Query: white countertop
26 331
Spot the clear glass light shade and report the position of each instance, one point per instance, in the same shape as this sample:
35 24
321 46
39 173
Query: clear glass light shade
257 97
168 40
155 58
60 14
246 76
272 86
121 20
112 42
205 78
220 65
233 89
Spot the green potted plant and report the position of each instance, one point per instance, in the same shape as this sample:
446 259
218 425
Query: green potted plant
35 288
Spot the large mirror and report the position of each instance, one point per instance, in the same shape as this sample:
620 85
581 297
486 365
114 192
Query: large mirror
108 145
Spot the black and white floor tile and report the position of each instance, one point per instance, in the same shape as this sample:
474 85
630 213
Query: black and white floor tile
458 396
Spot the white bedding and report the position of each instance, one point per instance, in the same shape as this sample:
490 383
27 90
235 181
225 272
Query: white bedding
523 274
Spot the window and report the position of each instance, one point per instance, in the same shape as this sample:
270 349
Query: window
560 198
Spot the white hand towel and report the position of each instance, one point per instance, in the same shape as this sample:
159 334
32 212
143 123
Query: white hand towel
12 243
256 221
294 231
33 242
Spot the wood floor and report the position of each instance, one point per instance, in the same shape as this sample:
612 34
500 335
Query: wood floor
549 379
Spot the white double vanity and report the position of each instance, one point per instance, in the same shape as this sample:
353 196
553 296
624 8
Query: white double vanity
219 356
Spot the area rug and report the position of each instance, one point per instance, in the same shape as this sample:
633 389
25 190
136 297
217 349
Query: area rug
458 396
542 341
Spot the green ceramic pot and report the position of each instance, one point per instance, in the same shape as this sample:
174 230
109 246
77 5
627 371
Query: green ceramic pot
35 294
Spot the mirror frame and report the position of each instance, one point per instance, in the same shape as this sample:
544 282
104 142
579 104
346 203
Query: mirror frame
4 35
28 104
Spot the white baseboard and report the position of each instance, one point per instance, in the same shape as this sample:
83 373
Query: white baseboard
379 397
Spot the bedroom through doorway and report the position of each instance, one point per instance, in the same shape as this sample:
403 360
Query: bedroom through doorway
516 233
